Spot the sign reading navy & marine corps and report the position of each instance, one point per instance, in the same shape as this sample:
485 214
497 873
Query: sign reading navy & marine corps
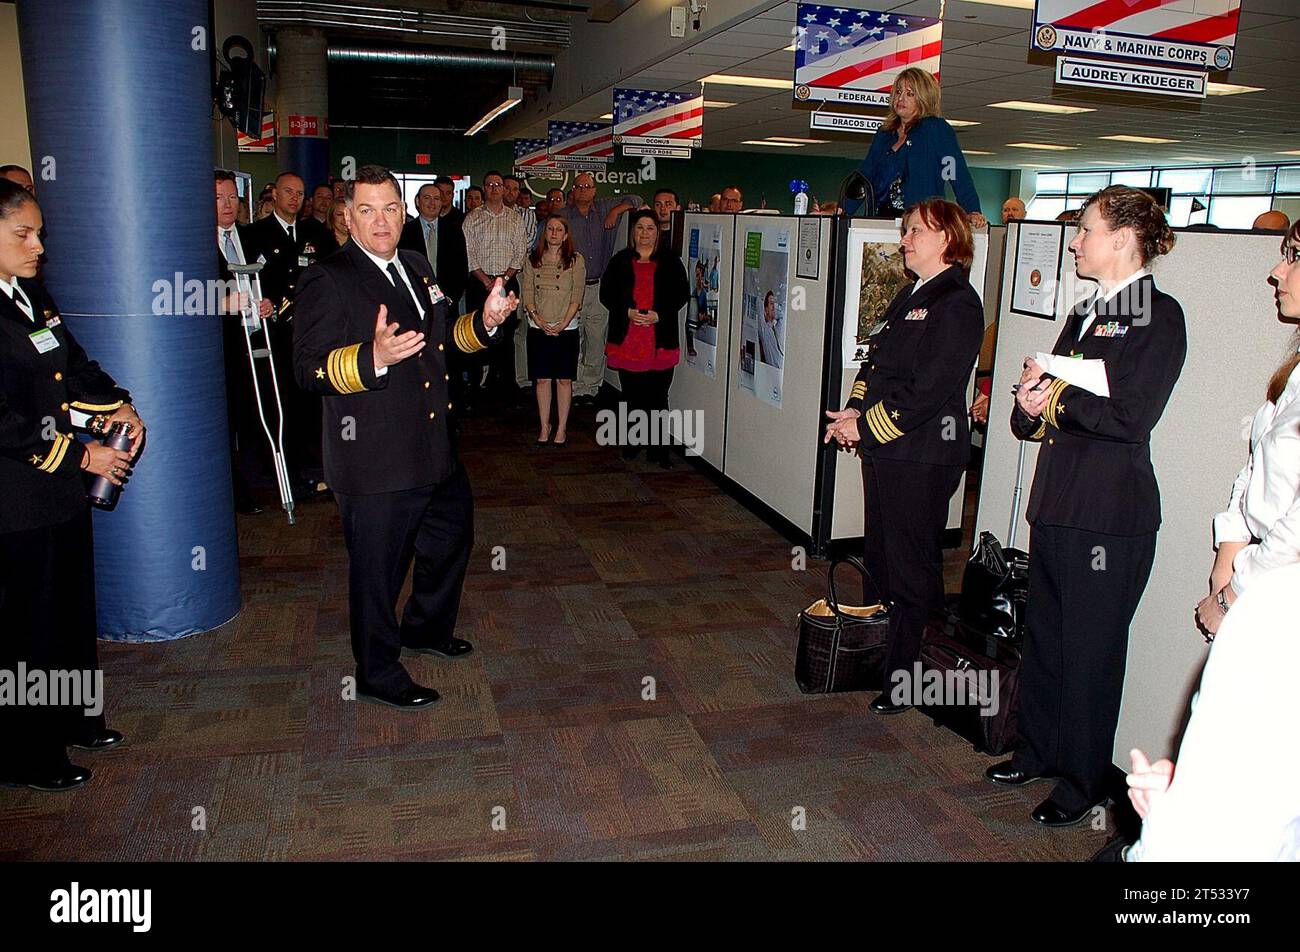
1195 34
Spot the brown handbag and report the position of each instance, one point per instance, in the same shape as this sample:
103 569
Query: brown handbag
841 647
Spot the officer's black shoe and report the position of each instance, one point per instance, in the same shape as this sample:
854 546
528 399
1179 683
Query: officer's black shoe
413 697
1051 813
1008 775
103 740
1115 851
58 780
451 648
883 705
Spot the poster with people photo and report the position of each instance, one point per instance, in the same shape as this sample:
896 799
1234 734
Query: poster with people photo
703 253
764 311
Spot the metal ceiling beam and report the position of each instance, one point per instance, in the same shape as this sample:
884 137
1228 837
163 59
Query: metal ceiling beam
410 22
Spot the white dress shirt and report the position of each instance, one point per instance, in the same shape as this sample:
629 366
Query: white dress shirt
1108 297
234 237
1265 501
1235 795
19 297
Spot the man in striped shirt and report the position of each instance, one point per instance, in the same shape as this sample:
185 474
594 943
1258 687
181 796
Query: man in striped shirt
496 241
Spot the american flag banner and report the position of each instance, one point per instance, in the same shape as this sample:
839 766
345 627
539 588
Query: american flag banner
265 143
532 154
854 56
646 117
1201 34
580 145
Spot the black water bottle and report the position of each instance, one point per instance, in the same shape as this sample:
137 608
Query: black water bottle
103 492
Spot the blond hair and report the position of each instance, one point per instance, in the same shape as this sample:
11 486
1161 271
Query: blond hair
926 88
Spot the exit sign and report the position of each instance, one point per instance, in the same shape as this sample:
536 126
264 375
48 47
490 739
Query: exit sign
422 158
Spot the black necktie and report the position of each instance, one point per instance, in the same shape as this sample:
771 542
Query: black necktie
400 284
292 237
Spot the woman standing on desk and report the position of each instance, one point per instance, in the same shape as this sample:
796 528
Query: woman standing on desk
1094 506
915 152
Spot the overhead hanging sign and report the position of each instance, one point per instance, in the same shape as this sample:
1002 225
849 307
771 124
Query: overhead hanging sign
854 56
670 122
1157 80
843 122
532 155
580 145
1189 33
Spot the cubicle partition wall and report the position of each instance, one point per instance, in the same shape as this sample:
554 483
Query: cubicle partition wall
1235 341
780 285
700 382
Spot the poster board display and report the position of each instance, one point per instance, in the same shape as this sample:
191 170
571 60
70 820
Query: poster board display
765 307
700 381
772 449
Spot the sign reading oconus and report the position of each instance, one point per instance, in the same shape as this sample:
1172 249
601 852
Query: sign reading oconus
854 56
1192 34
653 122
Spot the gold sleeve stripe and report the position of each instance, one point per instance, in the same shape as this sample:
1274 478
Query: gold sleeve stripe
1039 433
1051 408
859 389
463 334
874 426
58 450
94 407
883 423
344 372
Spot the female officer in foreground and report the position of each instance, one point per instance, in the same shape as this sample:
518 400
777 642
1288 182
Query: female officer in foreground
48 387
1094 506
913 432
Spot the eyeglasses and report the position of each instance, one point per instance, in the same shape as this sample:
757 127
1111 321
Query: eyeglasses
1290 254
493 185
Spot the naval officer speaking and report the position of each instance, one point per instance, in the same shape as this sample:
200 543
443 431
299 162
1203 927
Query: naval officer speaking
369 338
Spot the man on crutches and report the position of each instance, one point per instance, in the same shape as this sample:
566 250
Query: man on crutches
245 385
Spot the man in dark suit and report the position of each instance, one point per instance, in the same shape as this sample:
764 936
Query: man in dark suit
447 189
439 238
233 246
287 247
370 340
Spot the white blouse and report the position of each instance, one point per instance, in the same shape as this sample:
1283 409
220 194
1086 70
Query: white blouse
1265 502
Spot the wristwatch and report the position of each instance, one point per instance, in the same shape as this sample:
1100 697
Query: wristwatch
1222 600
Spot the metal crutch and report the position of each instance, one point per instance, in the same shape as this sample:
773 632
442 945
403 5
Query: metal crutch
248 283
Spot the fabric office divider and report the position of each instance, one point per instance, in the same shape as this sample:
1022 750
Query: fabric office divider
694 391
1235 341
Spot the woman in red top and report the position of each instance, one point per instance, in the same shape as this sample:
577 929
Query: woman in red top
644 287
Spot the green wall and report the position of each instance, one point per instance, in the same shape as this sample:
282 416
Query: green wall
758 175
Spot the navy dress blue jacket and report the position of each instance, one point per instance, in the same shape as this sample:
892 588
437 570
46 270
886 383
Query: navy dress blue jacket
929 145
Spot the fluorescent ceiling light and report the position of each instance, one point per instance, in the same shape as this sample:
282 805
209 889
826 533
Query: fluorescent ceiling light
790 48
1053 108
1228 89
1291 152
1018 4
798 141
1149 140
776 145
976 152
716 104
727 80
608 115
514 96
1047 146
1039 165
960 122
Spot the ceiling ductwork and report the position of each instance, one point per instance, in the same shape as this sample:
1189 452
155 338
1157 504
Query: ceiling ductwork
437 59
411 24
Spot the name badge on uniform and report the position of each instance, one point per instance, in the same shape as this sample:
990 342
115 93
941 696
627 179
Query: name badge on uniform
435 294
303 261
917 314
43 340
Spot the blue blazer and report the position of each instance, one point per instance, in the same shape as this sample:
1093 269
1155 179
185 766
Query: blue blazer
929 143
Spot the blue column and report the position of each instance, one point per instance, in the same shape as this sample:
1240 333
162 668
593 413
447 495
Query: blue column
118 105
